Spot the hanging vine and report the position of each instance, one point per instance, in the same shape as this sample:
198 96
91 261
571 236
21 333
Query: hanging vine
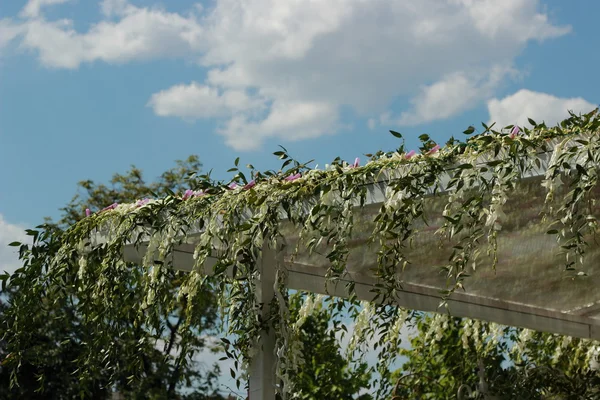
233 222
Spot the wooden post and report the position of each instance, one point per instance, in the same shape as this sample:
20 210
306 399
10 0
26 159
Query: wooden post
262 370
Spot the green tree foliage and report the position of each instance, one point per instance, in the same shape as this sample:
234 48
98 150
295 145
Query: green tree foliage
326 373
58 336
445 365
146 362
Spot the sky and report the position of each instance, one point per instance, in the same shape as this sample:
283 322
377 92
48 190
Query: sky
90 88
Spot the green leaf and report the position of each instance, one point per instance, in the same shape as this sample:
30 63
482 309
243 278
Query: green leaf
465 166
4 278
532 122
469 130
396 134
14 244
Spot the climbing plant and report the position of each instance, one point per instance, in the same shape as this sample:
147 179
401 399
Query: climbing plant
234 222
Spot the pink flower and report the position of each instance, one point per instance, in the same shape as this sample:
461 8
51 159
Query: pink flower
233 185
250 185
292 178
434 150
514 132
88 212
111 207
142 202
356 163
410 154
187 194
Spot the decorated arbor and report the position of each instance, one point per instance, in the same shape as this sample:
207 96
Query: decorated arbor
500 227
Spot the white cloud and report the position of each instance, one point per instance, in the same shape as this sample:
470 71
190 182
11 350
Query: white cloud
516 108
496 19
200 101
9 256
449 96
285 120
113 7
33 7
302 59
371 123
139 34
8 32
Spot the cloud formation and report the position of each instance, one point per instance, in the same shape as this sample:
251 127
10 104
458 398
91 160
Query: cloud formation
450 96
9 258
33 8
195 101
541 107
276 67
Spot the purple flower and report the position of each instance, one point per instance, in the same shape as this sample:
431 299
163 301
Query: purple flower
111 207
514 132
142 202
410 154
292 178
233 185
187 194
88 212
356 162
198 193
250 185
434 150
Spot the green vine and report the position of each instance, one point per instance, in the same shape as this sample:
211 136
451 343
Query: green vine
232 222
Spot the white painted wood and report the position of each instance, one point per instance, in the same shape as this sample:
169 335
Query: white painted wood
416 297
424 298
581 321
262 370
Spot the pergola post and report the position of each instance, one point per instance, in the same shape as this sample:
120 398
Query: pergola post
262 369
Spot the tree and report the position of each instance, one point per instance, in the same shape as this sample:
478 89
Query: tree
326 373
146 363
453 358
241 221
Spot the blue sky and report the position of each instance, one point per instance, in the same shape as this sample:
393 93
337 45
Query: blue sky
89 88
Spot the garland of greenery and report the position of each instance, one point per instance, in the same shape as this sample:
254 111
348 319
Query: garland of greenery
244 215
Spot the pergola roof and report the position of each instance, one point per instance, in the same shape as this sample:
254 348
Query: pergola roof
530 209
528 288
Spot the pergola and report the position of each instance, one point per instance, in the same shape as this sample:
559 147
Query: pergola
528 287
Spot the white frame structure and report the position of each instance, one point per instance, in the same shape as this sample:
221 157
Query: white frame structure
412 296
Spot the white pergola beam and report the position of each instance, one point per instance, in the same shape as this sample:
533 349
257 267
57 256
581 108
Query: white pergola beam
414 297
577 322
262 371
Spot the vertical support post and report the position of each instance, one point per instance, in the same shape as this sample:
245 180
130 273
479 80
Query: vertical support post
262 370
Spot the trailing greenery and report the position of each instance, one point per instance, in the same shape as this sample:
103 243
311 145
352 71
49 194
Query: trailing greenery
145 364
234 222
325 372
448 359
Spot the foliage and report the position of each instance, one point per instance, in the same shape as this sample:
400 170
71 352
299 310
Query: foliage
235 223
326 373
448 359
58 331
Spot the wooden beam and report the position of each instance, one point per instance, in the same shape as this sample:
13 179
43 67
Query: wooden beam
423 298
262 369
415 297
